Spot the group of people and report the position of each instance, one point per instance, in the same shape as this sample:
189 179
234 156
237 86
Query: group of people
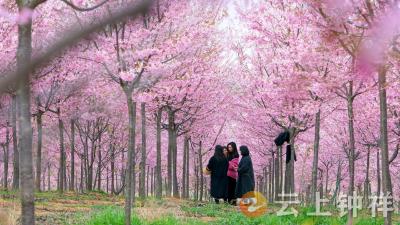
230 178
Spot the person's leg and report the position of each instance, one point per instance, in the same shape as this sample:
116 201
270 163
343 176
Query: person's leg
233 184
231 189
216 200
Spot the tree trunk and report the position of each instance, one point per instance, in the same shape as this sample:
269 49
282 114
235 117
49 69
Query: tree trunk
131 157
107 181
15 183
48 177
99 166
277 178
170 155
62 152
142 181
201 171
386 178
24 52
147 180
187 170
6 149
90 184
315 159
338 180
271 182
378 174
172 136
197 181
289 171
366 182
351 149
39 149
82 176
158 168
152 181
72 184
112 149
184 168
280 167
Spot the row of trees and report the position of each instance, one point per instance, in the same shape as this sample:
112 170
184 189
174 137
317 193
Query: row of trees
159 66
327 72
148 91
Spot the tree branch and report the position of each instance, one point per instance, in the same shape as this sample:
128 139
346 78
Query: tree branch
72 5
9 79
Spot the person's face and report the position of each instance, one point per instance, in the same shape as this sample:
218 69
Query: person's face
230 148
225 152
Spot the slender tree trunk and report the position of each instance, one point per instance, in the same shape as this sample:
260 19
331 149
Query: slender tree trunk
170 155
187 169
62 151
173 146
134 182
338 180
378 174
366 182
107 181
351 149
147 180
24 51
326 181
82 175
112 149
386 178
142 188
172 136
289 186
197 181
15 183
315 159
48 177
277 178
131 157
72 184
271 182
158 168
90 183
6 149
85 162
99 166
152 181
201 172
184 168
280 168
39 149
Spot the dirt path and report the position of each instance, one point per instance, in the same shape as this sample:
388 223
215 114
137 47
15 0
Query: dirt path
52 209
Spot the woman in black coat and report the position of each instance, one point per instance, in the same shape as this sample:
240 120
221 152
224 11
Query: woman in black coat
245 182
218 165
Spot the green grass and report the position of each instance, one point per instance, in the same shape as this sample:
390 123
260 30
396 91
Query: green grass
226 214
113 215
106 216
191 213
223 214
209 210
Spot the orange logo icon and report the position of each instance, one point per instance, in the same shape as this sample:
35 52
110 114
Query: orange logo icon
253 204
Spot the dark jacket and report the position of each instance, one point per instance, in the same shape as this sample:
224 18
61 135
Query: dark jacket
219 178
245 182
